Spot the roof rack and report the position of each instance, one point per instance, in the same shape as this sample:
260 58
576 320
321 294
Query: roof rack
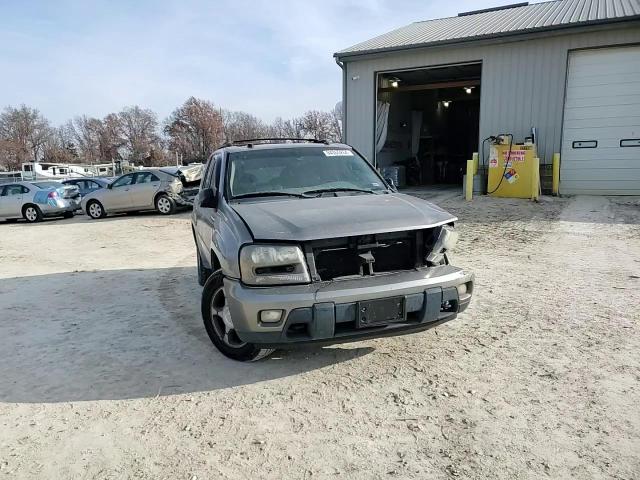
251 141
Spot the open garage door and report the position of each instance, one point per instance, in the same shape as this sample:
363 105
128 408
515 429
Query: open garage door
601 131
433 119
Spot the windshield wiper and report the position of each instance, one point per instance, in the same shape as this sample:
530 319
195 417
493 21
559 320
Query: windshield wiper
320 191
268 194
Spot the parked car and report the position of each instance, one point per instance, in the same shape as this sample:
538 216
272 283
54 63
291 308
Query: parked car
305 242
142 190
88 185
35 200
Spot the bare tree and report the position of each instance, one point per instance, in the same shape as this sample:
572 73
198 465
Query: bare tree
335 133
23 133
86 134
192 132
139 130
317 124
195 130
111 138
242 125
292 128
60 147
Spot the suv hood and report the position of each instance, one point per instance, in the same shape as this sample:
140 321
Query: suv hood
330 217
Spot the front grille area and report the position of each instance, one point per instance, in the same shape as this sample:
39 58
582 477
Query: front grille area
370 254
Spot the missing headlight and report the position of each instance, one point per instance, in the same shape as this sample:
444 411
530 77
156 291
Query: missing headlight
447 239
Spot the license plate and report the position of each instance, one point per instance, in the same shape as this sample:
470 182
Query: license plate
380 312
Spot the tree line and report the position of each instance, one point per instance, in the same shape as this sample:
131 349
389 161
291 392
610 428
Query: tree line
189 134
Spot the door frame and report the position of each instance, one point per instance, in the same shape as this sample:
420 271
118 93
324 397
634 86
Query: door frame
376 75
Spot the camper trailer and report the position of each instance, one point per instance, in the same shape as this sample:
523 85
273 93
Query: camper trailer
48 171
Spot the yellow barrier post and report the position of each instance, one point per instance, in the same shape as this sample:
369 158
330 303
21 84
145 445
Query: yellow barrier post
475 163
535 179
468 188
556 174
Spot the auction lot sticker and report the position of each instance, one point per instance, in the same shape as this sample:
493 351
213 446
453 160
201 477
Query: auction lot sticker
338 153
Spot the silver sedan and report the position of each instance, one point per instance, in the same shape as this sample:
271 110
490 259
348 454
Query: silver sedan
35 200
152 189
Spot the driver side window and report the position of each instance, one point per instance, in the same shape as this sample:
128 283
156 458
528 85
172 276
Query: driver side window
123 181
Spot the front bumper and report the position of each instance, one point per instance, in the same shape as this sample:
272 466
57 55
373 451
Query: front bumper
326 312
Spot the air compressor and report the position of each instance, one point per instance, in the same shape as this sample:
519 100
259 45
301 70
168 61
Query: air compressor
512 169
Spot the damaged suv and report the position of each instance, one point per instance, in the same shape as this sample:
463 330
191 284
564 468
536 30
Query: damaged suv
304 242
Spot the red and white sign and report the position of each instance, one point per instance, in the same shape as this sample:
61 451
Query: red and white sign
516 156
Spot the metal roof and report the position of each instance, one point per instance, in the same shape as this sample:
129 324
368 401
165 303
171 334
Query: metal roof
504 21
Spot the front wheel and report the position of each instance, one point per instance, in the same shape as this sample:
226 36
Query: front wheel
219 325
165 205
95 209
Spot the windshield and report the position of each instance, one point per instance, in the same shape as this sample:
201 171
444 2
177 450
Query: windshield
300 170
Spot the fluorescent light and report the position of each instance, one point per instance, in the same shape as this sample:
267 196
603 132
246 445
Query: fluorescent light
394 83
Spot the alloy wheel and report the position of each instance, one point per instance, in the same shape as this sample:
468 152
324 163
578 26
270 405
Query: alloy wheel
31 214
221 321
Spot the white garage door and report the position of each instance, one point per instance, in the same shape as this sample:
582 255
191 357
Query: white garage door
601 131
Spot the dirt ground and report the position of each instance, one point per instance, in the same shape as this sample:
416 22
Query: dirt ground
106 371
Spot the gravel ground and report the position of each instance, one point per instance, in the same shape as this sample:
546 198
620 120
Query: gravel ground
106 371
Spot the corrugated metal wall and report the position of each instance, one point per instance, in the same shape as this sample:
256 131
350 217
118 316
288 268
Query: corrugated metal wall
523 83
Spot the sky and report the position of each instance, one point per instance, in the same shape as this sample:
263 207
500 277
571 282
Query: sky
269 58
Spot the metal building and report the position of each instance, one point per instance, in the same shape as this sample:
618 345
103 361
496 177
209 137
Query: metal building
427 94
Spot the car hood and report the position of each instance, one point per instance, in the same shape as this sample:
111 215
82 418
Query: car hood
331 217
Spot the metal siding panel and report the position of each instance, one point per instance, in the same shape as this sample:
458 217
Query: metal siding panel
595 111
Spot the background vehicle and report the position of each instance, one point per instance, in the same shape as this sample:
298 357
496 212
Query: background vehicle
88 185
305 242
142 190
35 200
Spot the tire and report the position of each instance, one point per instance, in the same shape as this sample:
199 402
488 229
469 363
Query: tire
95 210
165 205
32 213
220 330
68 215
203 272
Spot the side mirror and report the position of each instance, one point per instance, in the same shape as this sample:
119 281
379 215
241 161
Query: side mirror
109 186
209 198
391 184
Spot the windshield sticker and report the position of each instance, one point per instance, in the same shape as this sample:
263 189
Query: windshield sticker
375 184
338 153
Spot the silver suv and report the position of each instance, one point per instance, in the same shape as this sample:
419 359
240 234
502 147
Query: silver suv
304 242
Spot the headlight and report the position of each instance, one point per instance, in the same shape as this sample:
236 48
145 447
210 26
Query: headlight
447 239
273 265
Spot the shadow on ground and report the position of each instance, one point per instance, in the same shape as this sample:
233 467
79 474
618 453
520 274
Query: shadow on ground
122 334
80 217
